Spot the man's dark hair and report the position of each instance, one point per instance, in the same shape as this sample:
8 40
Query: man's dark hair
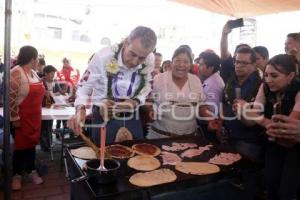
211 60
49 68
248 51
42 61
262 51
241 46
295 36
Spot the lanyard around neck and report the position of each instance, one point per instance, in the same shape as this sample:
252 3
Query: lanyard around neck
129 90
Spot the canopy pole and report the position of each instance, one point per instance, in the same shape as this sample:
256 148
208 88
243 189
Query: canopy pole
6 135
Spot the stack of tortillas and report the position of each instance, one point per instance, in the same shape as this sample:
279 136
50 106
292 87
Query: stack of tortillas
197 168
156 177
143 163
86 153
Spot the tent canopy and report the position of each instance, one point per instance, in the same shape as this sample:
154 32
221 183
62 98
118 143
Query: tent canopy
243 8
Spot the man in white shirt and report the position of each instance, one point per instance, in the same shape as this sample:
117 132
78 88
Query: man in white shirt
117 78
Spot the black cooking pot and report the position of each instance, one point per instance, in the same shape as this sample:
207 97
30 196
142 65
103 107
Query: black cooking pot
102 177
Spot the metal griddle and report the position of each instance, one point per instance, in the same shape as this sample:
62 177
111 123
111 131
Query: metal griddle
123 189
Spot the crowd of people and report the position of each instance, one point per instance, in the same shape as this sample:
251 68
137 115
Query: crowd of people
244 99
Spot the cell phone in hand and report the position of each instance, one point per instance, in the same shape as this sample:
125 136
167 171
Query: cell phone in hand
277 109
235 23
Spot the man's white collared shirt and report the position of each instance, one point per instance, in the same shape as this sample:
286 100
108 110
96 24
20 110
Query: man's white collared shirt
95 81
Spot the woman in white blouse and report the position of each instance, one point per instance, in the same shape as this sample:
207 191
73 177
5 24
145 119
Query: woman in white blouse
178 99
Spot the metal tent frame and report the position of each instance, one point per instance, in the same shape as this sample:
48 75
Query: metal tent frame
7 153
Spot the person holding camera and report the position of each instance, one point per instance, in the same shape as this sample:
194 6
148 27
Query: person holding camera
227 60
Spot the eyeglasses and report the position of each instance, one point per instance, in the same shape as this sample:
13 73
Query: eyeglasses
242 62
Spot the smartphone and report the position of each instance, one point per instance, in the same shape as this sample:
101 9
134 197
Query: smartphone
277 109
235 23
